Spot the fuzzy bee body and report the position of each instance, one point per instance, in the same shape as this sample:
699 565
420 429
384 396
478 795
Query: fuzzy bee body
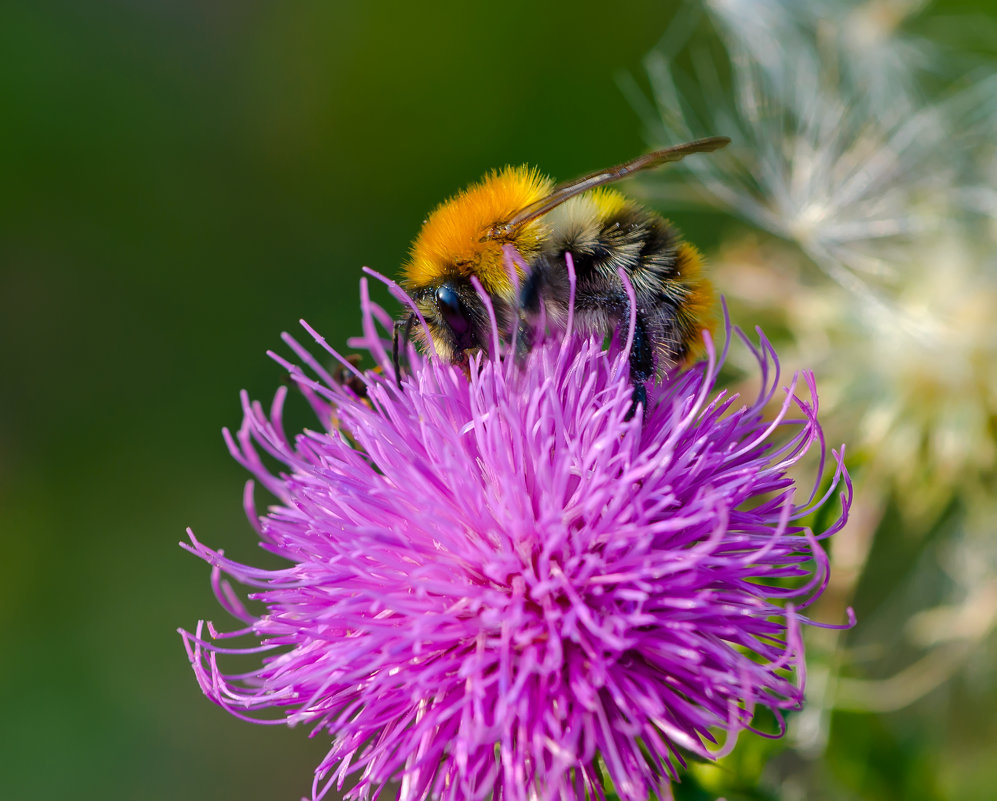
604 232
607 234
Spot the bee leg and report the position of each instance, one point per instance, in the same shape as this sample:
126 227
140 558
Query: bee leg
524 338
400 336
529 311
641 366
529 295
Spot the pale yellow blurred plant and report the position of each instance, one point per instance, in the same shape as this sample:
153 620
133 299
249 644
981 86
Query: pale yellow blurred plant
865 154
887 193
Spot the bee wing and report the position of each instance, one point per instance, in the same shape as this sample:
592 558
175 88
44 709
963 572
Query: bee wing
562 192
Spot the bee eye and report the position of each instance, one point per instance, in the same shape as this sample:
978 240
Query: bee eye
448 303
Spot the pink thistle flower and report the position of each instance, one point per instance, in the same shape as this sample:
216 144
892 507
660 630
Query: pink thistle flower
498 586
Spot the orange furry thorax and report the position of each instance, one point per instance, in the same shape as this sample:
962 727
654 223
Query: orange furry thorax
454 239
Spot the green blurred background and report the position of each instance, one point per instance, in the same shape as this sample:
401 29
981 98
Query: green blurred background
182 181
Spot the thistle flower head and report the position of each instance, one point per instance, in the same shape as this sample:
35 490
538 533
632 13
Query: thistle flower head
834 148
498 585
868 43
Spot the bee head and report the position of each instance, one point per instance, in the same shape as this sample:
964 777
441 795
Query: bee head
456 317
457 243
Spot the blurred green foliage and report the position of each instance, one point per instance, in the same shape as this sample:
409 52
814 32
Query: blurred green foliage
181 182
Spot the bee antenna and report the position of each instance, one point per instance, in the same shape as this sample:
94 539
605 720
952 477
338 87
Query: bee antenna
565 191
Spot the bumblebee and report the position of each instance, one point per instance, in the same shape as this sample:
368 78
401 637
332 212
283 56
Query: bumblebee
605 234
